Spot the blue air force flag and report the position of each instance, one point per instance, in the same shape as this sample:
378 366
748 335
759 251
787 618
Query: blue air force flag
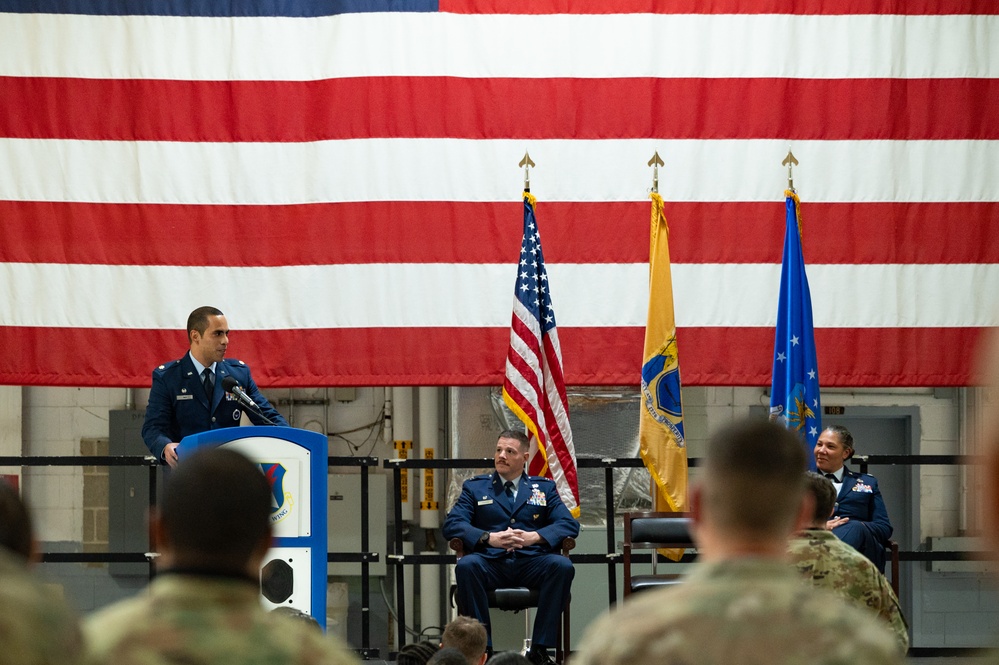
794 395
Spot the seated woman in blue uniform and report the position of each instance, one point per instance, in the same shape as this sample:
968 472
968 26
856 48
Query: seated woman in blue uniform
860 518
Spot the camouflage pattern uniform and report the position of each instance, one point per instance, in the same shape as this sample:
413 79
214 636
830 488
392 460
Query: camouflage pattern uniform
37 627
830 563
749 611
185 618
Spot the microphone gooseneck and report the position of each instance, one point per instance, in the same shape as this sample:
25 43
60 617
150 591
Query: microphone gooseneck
232 386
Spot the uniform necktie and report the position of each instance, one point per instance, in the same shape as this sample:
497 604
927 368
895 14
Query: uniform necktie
832 477
508 492
208 380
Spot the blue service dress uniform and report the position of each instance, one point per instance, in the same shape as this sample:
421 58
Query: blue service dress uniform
869 528
483 508
178 405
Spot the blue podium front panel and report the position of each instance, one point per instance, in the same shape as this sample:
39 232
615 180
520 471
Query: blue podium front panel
295 463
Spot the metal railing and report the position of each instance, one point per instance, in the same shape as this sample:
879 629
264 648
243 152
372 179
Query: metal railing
611 559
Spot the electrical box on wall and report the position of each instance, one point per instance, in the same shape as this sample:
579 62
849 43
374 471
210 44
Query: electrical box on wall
344 520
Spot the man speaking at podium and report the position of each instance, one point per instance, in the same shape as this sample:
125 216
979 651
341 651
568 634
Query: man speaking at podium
190 395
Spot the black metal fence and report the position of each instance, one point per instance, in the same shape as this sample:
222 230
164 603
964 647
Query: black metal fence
610 559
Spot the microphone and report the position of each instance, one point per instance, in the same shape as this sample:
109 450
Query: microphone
231 385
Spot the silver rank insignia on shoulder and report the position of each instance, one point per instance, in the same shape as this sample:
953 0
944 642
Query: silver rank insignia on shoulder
241 362
161 367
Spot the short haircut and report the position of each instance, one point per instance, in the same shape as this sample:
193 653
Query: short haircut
216 508
15 524
468 636
450 656
198 319
844 437
753 479
525 442
417 653
825 495
508 658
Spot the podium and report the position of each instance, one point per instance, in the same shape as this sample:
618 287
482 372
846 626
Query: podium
295 461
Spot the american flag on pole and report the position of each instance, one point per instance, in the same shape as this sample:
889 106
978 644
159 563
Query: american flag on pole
534 387
335 176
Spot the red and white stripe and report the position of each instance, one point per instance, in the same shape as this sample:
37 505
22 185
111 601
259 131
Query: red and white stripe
534 382
346 190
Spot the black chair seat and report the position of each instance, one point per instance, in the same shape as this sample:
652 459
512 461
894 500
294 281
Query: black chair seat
653 530
647 582
514 599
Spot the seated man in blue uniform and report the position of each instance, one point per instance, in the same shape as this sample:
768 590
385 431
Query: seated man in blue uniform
512 526
187 396
860 518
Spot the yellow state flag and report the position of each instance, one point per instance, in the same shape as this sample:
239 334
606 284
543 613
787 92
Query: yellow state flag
661 425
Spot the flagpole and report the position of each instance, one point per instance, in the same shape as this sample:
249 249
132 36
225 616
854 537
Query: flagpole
655 162
527 163
788 161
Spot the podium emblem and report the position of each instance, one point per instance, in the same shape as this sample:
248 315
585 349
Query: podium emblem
281 500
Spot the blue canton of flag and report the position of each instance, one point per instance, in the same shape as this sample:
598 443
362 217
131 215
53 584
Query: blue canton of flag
794 394
532 278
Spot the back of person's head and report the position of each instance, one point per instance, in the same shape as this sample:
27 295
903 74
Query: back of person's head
297 615
417 653
757 460
15 524
822 490
216 510
448 656
468 636
508 658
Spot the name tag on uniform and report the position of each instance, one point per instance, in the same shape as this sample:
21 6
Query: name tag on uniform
180 397
485 502
861 487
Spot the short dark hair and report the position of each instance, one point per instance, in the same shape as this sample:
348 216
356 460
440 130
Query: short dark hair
759 459
450 656
15 523
844 437
525 442
508 658
417 653
216 508
468 636
198 319
825 495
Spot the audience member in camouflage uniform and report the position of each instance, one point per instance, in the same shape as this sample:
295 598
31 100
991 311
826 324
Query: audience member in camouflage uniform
742 603
212 531
829 563
36 625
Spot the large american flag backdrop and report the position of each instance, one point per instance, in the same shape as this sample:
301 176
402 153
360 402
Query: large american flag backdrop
341 179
